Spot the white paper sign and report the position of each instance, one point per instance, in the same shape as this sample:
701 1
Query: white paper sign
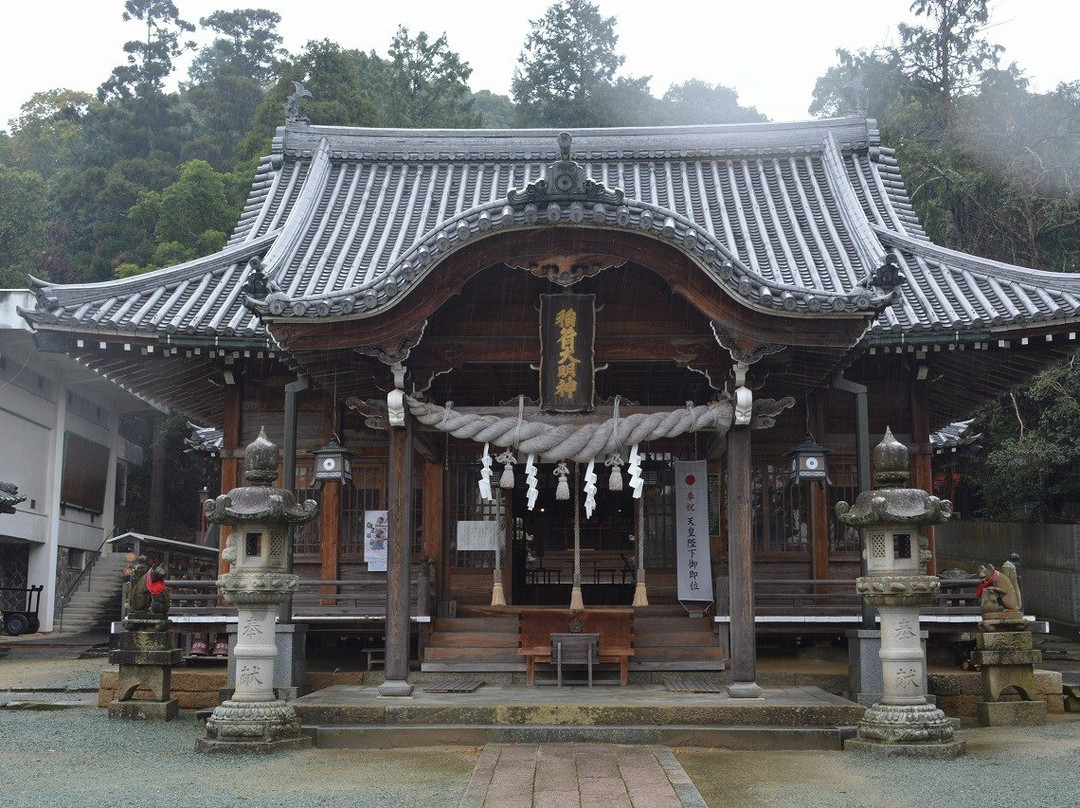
376 535
692 556
478 536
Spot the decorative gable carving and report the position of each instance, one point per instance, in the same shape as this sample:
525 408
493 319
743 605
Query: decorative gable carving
566 270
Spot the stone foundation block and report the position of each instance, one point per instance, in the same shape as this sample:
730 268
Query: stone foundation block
144 710
932 751
1012 713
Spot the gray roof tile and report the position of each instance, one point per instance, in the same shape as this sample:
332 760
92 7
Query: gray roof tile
787 216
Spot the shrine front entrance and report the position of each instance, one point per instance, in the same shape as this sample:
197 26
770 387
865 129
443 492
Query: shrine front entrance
542 552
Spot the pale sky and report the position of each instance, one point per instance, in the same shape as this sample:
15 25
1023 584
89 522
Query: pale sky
770 51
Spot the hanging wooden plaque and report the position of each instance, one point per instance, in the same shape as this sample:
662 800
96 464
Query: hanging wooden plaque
567 338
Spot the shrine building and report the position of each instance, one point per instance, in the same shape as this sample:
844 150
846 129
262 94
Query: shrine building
505 344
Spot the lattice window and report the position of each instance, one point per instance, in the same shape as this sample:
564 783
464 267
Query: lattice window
367 493
277 543
779 523
878 545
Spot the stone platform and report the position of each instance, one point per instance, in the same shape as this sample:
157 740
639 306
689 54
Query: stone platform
783 718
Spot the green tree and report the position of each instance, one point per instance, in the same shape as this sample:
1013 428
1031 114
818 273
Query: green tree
249 46
698 102
149 61
23 221
427 84
948 56
495 111
567 65
188 218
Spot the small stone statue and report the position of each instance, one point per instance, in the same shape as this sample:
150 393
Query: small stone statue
999 593
148 596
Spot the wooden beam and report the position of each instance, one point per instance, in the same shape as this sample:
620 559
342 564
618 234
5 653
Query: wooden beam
819 499
683 276
433 511
330 535
230 462
924 473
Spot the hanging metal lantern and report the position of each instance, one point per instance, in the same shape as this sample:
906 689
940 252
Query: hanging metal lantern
808 461
333 462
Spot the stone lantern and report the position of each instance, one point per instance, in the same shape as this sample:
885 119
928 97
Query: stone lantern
891 519
254 720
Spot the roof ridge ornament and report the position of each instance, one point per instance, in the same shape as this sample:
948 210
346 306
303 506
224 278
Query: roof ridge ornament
565 179
878 290
862 95
292 103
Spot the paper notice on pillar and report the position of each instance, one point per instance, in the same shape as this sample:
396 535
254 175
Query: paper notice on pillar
376 534
692 530
477 536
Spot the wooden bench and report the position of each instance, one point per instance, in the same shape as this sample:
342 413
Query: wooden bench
614 629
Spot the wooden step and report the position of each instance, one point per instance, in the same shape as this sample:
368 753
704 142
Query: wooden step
676 640
670 654
486 639
444 654
646 624
476 624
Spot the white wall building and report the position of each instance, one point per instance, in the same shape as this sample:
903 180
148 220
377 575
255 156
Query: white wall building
61 444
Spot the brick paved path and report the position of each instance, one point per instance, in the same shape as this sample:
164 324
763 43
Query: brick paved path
579 775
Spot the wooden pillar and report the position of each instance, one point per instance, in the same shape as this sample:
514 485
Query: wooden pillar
922 453
741 566
433 520
329 535
157 479
230 460
819 502
399 496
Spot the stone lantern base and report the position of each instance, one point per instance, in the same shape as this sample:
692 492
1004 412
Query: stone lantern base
911 730
259 727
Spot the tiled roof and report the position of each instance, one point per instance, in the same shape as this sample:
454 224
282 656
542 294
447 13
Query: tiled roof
792 218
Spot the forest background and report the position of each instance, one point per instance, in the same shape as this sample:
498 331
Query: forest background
137 177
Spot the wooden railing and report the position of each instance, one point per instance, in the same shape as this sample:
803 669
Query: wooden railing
195 605
831 604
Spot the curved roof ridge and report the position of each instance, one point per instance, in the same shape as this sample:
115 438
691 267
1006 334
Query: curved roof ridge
299 218
871 253
974 263
76 294
303 139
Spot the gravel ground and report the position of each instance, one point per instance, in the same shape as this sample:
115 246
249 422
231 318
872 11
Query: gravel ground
79 757
1030 767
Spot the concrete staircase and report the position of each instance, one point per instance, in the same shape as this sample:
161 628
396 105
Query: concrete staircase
96 602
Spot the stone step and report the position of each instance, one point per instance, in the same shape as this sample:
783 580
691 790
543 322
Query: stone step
726 737
782 718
